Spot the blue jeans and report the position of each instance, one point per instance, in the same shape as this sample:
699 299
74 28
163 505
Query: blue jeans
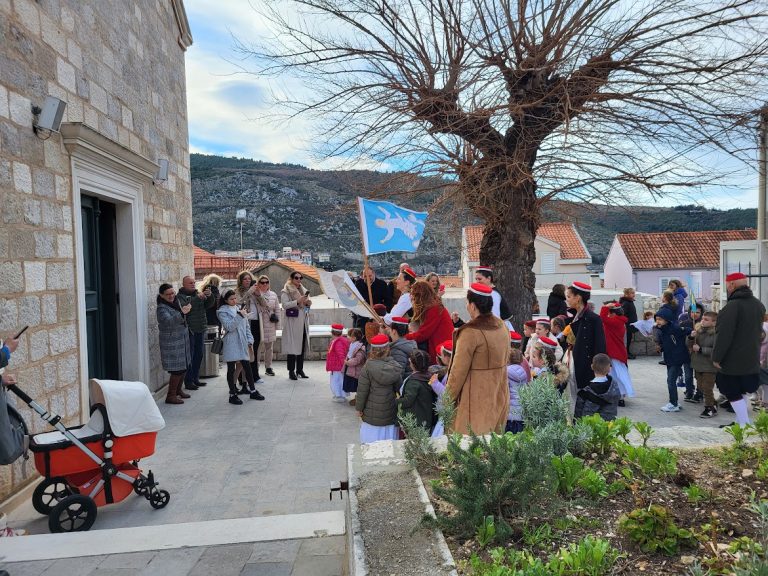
690 388
673 373
196 345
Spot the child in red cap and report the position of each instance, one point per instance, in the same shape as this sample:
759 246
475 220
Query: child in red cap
334 362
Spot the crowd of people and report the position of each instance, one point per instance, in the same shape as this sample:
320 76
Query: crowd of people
412 354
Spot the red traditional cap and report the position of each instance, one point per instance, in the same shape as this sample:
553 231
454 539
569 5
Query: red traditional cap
542 321
735 276
515 337
338 327
481 289
379 309
409 271
582 286
548 342
379 341
447 346
485 268
615 305
400 320
530 323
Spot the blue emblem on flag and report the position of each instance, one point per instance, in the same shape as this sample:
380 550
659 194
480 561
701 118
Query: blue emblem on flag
387 227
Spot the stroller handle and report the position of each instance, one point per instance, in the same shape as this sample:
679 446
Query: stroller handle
20 393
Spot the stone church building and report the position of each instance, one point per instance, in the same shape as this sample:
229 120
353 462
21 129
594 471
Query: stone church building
90 224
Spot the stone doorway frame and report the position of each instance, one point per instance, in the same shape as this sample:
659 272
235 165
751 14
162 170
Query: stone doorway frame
104 168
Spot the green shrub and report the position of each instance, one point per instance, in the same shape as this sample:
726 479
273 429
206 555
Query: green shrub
419 451
652 462
653 529
762 470
539 536
760 425
603 433
507 470
739 433
569 470
593 483
588 557
542 403
623 427
695 493
486 532
645 431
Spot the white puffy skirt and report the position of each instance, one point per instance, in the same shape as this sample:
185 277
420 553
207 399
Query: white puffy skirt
370 433
620 373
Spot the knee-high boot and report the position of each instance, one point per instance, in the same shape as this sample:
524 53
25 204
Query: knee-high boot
173 390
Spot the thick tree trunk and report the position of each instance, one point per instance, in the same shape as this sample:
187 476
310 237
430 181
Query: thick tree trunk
508 247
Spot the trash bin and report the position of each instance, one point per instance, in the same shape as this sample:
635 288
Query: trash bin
209 367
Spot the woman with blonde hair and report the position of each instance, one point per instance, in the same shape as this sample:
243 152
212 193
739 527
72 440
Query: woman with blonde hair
435 324
268 305
434 281
212 282
246 291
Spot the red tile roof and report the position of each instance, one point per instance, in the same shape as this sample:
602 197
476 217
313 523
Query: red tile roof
683 250
228 267
200 252
563 233
305 269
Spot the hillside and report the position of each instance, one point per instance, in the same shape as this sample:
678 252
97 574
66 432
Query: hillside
290 205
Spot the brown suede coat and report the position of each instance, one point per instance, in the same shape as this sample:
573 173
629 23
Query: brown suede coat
477 379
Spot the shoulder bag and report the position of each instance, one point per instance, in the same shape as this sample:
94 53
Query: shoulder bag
218 343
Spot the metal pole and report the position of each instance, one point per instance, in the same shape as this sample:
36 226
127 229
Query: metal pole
241 239
762 193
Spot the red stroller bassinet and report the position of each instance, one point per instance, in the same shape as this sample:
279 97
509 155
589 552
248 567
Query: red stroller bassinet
97 463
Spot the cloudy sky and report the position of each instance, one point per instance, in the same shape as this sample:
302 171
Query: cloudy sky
230 112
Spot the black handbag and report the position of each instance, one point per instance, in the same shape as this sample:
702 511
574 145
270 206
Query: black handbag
292 313
218 343
273 318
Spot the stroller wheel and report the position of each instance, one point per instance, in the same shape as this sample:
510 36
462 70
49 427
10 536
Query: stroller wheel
76 513
139 486
48 493
159 499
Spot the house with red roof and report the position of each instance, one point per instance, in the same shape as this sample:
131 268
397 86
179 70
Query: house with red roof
561 255
648 262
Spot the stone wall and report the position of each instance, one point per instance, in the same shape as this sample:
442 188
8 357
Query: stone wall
120 68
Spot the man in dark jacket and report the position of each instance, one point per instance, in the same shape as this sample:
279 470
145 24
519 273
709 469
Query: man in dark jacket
197 322
380 294
737 345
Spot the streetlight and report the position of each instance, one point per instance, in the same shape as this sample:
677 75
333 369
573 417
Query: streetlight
240 216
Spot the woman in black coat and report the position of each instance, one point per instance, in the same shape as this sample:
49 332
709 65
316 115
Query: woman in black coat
556 305
587 337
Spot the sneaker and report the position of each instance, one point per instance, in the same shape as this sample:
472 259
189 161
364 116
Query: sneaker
233 399
259 381
339 399
256 396
669 407
727 407
709 411
269 372
692 398
244 390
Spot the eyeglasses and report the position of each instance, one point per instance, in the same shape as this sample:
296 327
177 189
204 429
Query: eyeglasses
263 281
298 277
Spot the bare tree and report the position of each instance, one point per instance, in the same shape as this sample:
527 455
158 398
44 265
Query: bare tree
522 101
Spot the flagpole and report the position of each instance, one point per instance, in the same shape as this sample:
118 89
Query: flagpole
367 277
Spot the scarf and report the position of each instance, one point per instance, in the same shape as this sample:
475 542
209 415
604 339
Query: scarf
293 292
175 304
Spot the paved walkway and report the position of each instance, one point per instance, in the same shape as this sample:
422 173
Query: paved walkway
267 458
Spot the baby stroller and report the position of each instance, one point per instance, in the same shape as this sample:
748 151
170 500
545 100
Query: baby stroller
97 463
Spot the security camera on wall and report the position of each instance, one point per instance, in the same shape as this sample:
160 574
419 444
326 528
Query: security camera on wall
49 117
162 171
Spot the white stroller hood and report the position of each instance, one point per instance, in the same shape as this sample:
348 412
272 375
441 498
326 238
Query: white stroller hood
130 406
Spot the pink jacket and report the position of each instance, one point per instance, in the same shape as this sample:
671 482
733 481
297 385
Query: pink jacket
356 359
337 353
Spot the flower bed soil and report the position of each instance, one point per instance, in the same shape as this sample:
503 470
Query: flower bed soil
729 485
396 542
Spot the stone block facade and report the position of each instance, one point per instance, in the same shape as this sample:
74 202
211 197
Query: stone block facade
119 66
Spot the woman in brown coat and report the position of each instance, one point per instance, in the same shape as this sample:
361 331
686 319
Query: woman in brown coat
477 379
